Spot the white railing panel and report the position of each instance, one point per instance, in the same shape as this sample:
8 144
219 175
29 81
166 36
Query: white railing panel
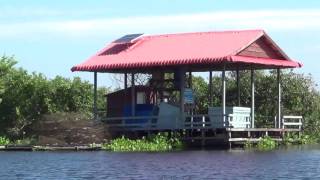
292 121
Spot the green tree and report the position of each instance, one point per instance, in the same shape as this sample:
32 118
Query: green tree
27 96
200 89
6 63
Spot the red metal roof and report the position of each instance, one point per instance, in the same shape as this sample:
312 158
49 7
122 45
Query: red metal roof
185 49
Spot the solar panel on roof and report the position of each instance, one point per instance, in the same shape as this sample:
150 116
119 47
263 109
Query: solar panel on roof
127 38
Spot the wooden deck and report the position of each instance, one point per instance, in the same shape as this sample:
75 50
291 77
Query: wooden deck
198 129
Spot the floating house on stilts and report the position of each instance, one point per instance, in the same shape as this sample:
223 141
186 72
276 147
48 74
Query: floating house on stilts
165 103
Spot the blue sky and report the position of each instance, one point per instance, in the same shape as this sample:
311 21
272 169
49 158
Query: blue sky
52 36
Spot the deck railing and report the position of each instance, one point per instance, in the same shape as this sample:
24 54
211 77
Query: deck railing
150 122
203 121
292 121
234 122
197 121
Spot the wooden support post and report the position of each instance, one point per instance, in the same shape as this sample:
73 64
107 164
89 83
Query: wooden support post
182 75
190 108
203 138
204 122
125 81
95 109
229 137
300 121
210 89
190 79
238 88
203 133
279 98
252 98
125 85
133 96
162 86
224 96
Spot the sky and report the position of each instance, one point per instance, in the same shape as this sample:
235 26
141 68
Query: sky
52 36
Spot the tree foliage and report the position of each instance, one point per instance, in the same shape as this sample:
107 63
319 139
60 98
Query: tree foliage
6 63
26 97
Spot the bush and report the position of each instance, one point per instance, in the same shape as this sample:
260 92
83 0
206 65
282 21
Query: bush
266 143
290 139
4 141
159 142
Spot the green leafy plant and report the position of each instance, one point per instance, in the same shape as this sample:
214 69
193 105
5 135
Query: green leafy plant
266 143
248 145
307 139
159 142
4 141
295 139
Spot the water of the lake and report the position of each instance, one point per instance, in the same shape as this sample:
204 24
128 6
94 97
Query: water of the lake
291 163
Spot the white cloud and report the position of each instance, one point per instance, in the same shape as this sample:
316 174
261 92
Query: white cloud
22 12
265 19
28 12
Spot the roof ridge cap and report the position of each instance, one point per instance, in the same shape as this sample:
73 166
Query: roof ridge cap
200 32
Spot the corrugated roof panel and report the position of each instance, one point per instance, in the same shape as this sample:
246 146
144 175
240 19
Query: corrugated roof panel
180 49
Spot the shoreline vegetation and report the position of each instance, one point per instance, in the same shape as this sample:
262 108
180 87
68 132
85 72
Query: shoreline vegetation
27 98
154 143
160 142
267 143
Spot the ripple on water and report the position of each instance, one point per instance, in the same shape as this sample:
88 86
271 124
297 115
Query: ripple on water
293 163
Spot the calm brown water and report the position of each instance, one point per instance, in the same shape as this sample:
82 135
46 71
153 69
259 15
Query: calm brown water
291 163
